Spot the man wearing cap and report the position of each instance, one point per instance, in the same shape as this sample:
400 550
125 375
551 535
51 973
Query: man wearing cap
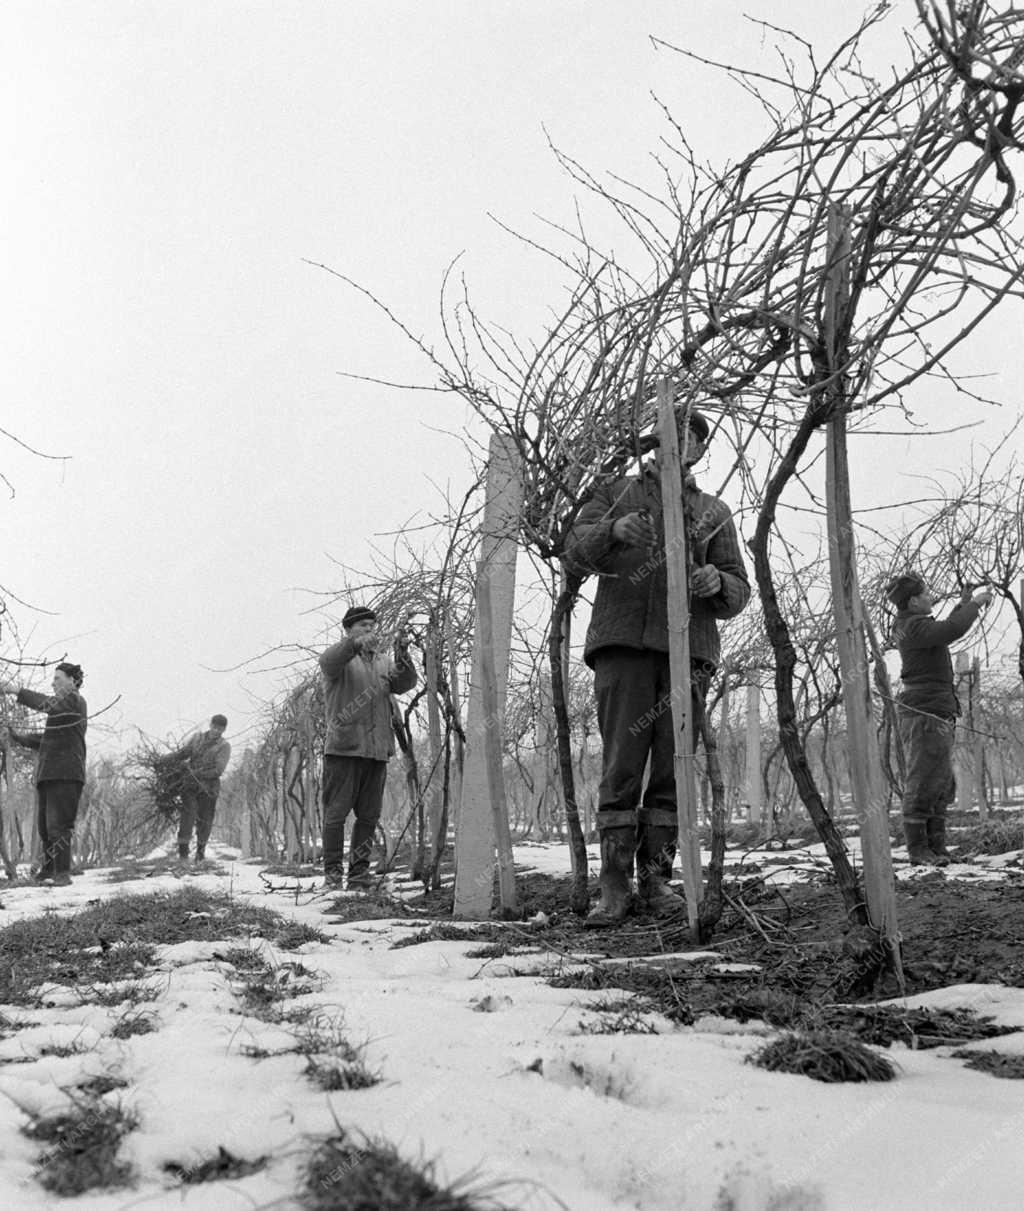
358 683
927 708
60 767
620 536
205 757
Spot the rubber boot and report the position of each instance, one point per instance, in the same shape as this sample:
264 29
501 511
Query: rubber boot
654 869
916 833
183 852
616 878
937 840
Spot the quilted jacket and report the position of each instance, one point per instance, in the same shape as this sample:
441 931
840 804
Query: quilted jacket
631 604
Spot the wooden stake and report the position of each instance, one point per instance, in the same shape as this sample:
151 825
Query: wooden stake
978 741
862 741
482 823
435 797
677 568
963 781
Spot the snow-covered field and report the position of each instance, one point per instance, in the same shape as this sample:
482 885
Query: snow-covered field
491 1075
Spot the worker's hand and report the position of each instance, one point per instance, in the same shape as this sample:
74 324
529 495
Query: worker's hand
982 596
634 529
367 643
706 581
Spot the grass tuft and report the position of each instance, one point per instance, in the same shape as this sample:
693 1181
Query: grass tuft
823 1055
344 1175
222 1166
131 1024
442 931
1010 1067
82 1148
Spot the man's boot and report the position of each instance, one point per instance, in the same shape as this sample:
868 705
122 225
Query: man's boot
616 878
654 869
183 852
916 833
937 840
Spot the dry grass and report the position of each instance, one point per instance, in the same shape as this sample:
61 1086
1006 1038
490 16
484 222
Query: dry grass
82 1147
823 1055
1010 1067
343 1175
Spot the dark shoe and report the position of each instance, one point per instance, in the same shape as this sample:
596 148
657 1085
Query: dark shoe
916 833
937 840
616 878
62 880
333 880
361 880
200 856
653 869
183 852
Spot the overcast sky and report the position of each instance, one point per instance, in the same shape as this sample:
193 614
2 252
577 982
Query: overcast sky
170 168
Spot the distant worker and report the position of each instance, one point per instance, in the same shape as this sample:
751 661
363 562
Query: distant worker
205 757
358 683
927 708
60 768
620 536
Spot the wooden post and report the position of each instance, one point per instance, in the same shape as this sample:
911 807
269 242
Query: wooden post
754 782
676 566
960 761
862 741
978 741
483 816
723 728
435 777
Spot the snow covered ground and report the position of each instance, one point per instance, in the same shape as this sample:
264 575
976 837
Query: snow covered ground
491 1075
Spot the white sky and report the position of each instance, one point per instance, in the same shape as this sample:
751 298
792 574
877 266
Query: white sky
168 168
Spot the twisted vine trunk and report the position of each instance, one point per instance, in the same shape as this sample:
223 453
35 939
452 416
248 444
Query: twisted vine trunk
785 663
560 614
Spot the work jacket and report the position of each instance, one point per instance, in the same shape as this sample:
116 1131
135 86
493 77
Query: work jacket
631 603
357 689
62 741
927 671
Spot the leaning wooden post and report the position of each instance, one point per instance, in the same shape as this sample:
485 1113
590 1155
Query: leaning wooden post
483 815
864 757
677 568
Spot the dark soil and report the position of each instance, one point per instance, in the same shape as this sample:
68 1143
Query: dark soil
953 932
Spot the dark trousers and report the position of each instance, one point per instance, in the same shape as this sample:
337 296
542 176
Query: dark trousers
197 808
351 784
930 785
57 809
634 715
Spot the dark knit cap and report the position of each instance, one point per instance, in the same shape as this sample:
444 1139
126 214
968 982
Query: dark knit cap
219 721
900 590
358 614
698 422
74 671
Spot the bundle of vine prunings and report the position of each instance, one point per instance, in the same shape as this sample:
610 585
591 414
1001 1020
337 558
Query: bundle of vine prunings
161 776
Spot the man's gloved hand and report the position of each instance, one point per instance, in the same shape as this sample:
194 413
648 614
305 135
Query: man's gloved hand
982 596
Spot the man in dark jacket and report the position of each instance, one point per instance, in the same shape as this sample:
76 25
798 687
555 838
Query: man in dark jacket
358 683
927 708
205 757
620 536
60 768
